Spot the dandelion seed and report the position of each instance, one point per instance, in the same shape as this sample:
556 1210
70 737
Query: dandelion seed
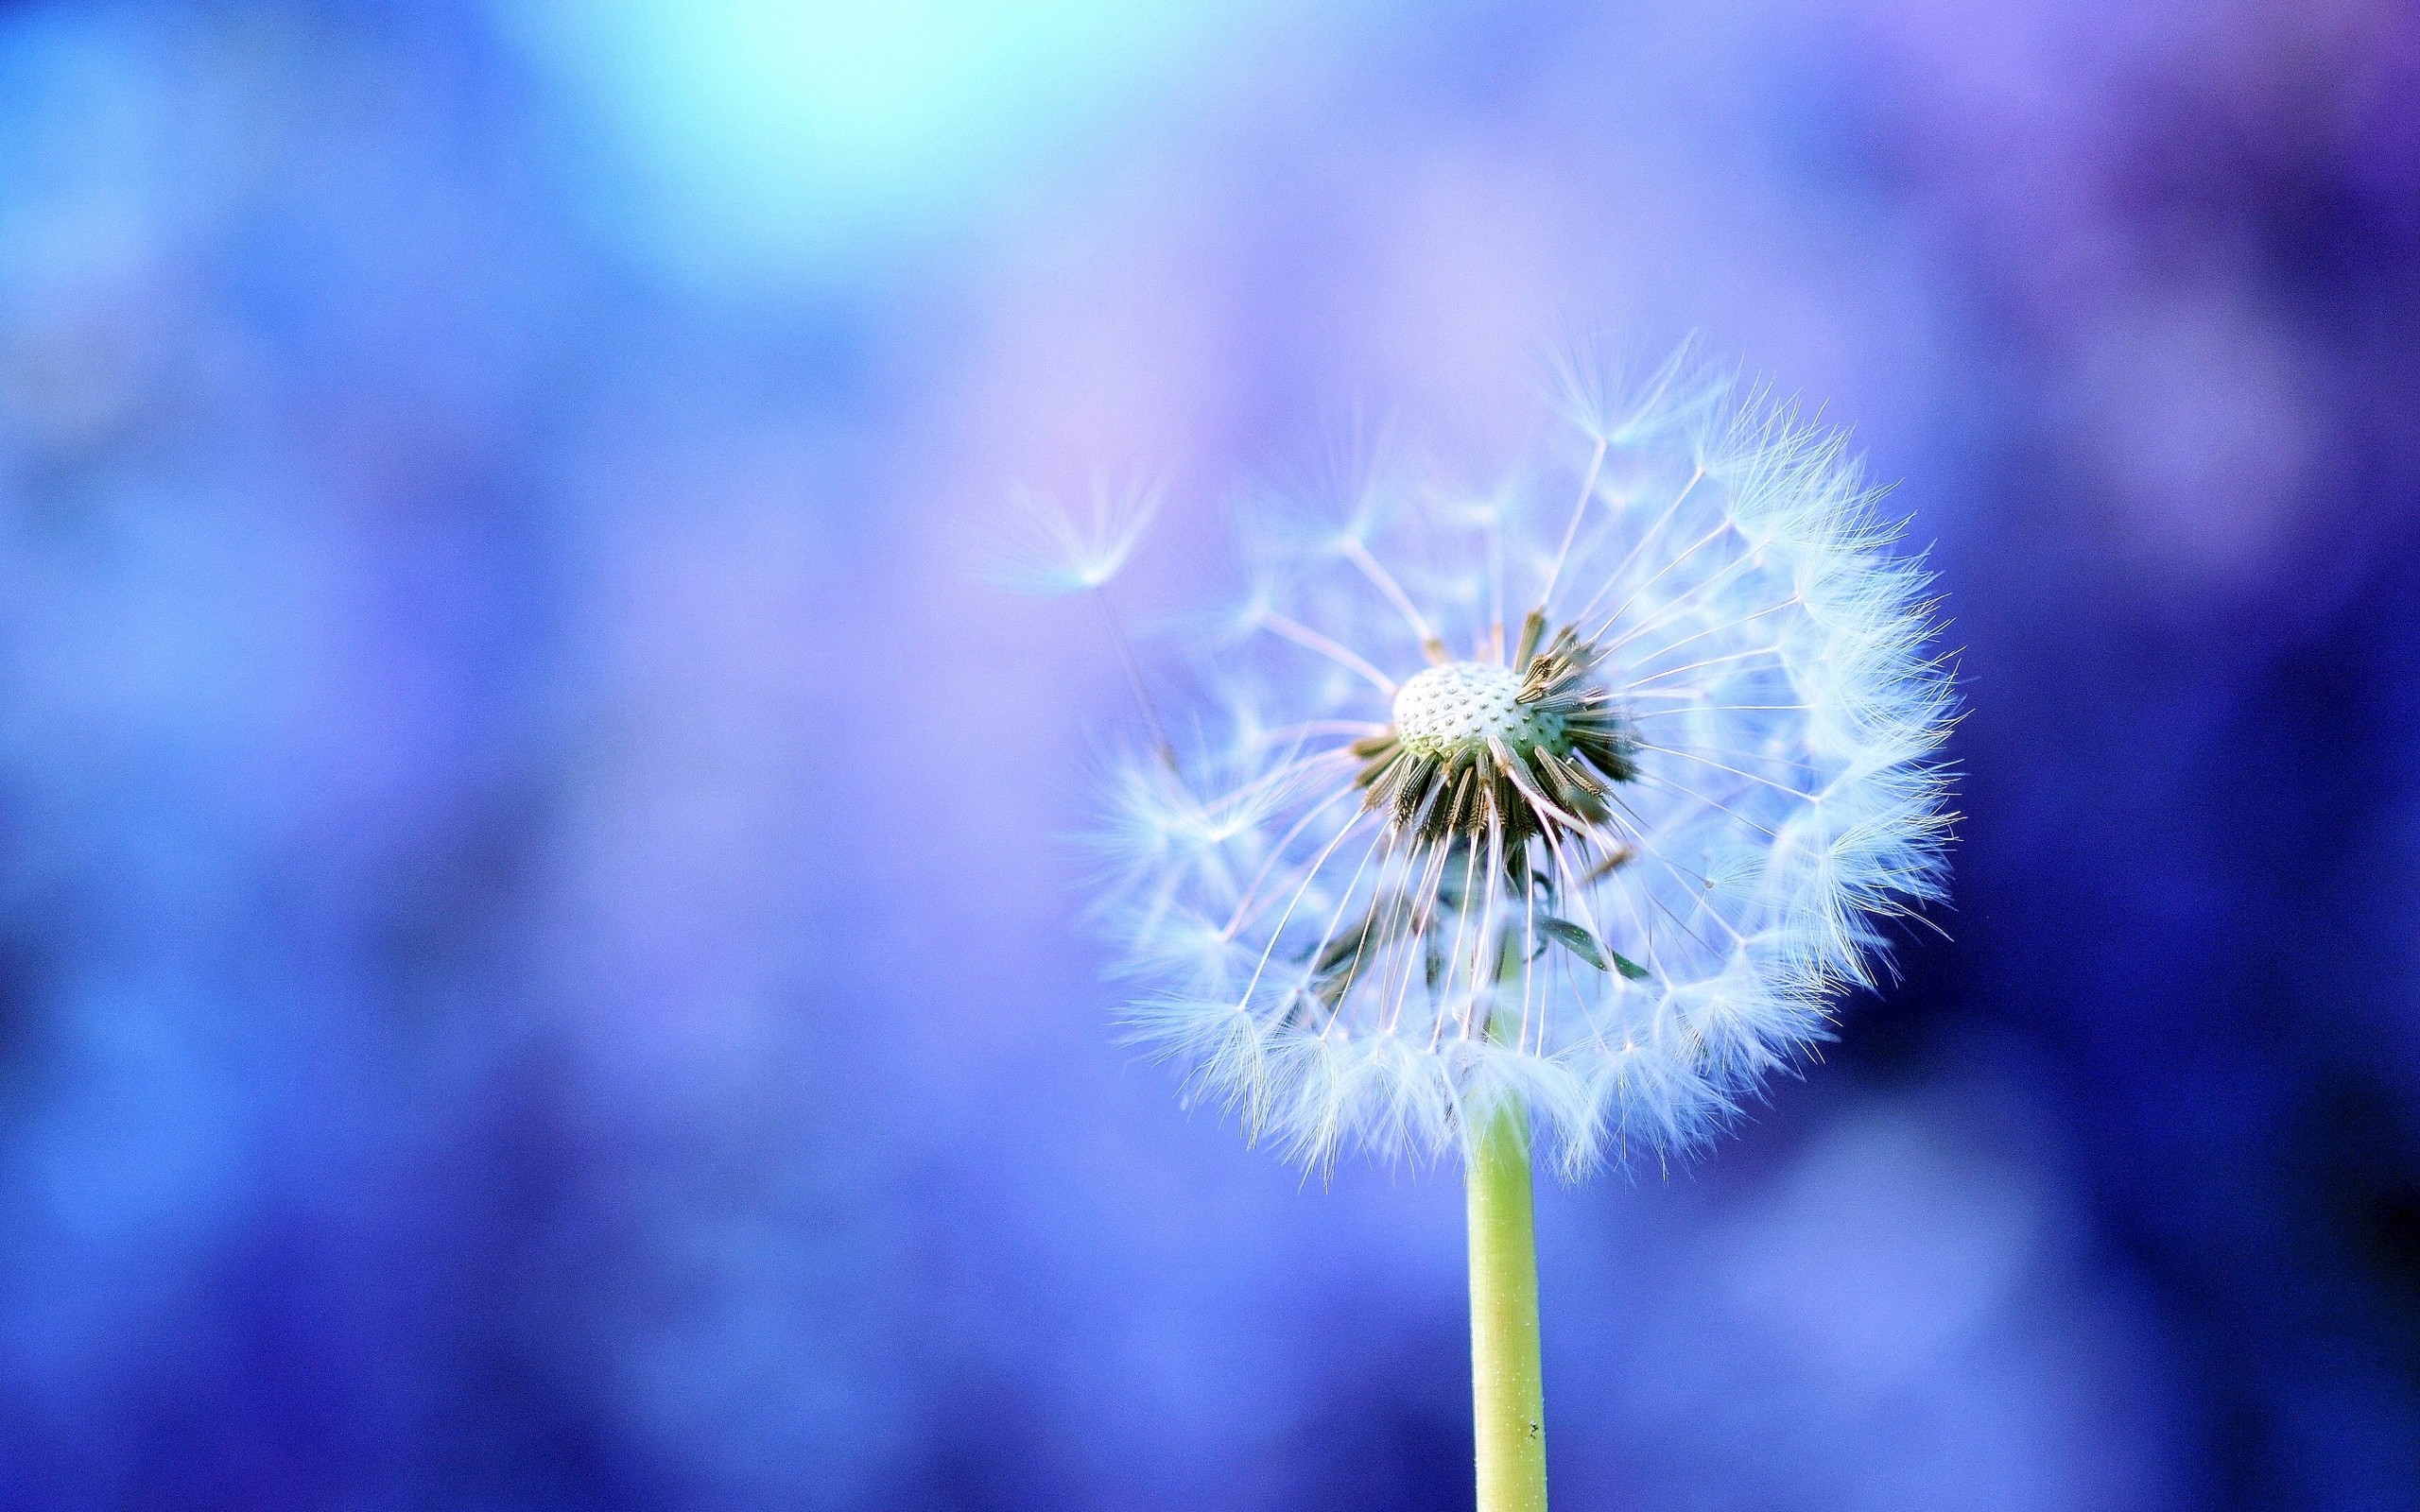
1044 550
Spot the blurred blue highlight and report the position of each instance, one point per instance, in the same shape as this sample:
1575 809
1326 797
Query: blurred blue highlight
768 145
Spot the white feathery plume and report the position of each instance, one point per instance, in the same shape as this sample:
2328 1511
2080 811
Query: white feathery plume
1589 791
1044 550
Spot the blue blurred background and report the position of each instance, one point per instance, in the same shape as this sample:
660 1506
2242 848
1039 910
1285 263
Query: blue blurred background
535 953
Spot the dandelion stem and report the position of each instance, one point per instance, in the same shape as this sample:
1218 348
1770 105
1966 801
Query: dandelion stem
1508 1394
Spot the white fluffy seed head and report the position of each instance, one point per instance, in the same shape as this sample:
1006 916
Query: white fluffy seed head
1461 705
1400 897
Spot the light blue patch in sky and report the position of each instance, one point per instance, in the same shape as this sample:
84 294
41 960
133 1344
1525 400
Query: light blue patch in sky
761 142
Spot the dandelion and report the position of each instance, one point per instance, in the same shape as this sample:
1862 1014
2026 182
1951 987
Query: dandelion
1551 816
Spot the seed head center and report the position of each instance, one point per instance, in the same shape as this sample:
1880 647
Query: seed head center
1463 705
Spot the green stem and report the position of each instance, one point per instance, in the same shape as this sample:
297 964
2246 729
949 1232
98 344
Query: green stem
1508 1394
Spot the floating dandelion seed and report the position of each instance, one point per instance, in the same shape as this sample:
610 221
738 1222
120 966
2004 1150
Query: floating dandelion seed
1044 550
1585 798
1557 813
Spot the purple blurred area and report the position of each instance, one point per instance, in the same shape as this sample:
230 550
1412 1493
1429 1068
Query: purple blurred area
537 961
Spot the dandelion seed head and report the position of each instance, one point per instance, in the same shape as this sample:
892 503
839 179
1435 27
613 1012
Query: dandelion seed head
1462 706
1590 790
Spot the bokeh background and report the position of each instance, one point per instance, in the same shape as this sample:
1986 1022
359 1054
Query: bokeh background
536 952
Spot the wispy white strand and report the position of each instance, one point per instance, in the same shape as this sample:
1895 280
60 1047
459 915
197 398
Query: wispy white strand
1044 548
